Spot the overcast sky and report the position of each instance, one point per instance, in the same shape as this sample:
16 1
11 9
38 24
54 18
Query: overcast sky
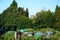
33 5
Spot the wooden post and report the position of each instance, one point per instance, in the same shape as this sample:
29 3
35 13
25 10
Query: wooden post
15 35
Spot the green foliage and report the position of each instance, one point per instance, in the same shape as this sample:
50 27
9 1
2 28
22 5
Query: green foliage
11 17
57 17
27 13
24 22
18 17
7 36
22 12
44 19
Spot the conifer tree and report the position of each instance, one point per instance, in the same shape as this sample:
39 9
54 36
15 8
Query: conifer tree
10 16
27 13
57 17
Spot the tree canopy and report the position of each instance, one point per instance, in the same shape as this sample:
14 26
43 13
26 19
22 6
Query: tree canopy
16 17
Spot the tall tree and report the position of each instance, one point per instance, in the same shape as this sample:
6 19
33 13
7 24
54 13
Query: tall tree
57 17
27 13
44 19
9 16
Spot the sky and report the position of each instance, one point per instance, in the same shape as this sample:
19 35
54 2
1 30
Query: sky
33 6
